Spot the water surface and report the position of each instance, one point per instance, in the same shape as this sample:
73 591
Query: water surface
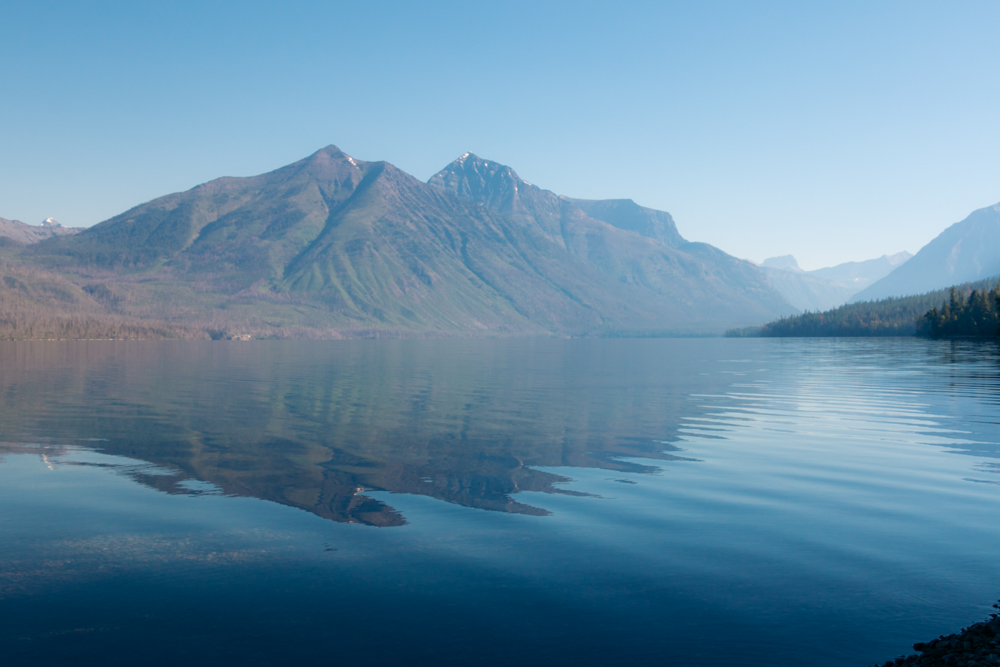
692 502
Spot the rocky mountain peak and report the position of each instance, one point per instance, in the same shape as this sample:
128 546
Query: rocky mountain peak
492 184
470 175
336 172
331 155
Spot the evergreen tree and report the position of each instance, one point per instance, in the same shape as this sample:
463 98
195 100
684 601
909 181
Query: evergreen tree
972 313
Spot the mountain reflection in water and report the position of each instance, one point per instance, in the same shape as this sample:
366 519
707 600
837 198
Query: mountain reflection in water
750 502
314 424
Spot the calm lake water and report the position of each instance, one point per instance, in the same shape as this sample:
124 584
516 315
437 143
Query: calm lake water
529 502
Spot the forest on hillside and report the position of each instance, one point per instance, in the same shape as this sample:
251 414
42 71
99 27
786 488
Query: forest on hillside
38 305
972 309
974 313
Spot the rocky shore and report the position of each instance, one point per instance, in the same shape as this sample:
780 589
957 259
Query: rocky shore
975 646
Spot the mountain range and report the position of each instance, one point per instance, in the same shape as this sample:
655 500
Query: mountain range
331 246
965 252
822 289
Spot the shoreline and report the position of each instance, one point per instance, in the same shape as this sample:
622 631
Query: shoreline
978 644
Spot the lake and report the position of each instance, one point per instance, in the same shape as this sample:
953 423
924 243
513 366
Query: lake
531 502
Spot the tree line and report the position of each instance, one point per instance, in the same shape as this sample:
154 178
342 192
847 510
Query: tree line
976 313
972 309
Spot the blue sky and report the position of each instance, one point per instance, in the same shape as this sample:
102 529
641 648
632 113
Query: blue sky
833 132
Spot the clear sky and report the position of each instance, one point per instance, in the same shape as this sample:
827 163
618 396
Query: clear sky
834 132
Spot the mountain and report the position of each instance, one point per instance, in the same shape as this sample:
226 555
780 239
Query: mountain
629 244
862 274
626 214
967 251
499 188
806 291
802 290
331 246
17 232
829 287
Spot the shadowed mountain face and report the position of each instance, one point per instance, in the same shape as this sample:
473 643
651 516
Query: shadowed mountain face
965 252
339 247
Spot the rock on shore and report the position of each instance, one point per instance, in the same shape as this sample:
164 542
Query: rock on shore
977 645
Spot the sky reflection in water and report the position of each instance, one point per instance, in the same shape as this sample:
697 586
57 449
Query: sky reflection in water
698 502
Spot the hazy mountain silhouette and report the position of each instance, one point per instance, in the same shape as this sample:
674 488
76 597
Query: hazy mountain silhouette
822 289
859 275
806 291
965 252
784 263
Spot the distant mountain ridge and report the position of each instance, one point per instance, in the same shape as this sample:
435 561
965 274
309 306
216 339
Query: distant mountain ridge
15 231
862 274
822 289
806 291
784 263
966 251
332 246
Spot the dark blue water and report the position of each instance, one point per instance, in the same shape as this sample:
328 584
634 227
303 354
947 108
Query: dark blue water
540 502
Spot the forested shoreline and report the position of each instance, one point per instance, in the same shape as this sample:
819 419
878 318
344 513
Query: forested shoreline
974 314
968 310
